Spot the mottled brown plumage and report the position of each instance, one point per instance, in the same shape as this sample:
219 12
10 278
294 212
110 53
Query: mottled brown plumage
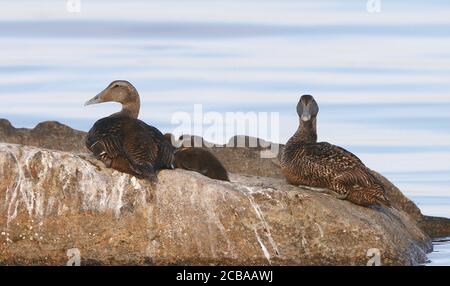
124 142
199 160
320 164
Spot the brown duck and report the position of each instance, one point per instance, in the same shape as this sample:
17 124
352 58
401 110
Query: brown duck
124 142
198 159
305 161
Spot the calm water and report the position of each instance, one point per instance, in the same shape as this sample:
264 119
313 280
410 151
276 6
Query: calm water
382 80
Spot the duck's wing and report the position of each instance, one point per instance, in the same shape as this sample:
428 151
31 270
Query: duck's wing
157 149
105 139
140 147
344 173
166 157
124 137
335 162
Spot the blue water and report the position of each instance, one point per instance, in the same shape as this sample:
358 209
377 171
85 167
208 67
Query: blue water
382 80
441 252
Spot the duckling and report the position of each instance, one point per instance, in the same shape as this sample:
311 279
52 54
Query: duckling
198 159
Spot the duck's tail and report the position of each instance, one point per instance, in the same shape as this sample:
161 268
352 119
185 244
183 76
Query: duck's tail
382 200
369 196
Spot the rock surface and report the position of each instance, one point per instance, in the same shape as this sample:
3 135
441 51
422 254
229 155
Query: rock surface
53 201
48 134
239 160
248 161
436 227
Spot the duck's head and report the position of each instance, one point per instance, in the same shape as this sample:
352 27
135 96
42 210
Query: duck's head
307 108
120 91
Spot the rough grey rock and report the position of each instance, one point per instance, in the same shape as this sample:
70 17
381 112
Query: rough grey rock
239 160
435 227
48 134
53 201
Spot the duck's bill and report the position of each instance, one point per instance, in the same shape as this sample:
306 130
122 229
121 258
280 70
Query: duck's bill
94 100
306 117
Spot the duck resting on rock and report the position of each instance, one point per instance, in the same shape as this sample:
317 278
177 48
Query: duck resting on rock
305 161
198 159
125 143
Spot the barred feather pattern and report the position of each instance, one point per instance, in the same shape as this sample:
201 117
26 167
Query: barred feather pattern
130 145
321 164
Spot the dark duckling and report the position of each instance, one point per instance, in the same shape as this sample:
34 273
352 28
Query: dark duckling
124 142
305 161
198 159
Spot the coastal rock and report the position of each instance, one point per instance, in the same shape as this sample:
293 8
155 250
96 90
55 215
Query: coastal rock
436 227
245 157
47 134
247 161
53 202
